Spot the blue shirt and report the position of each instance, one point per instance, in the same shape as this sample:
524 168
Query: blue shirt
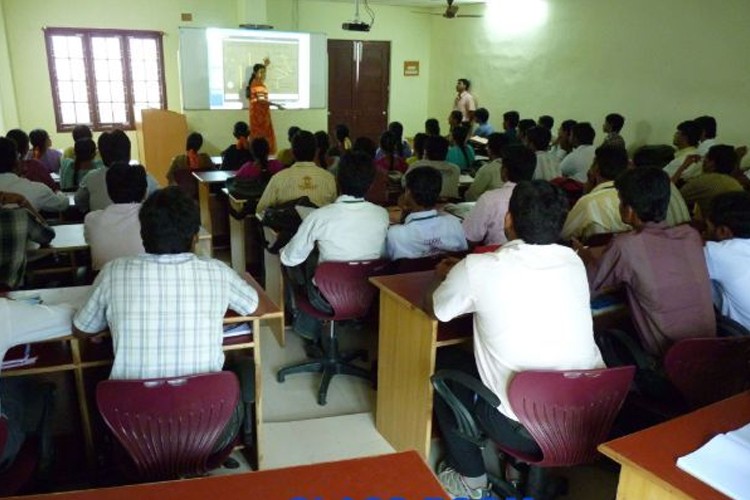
484 130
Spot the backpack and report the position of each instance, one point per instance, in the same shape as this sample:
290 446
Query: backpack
285 220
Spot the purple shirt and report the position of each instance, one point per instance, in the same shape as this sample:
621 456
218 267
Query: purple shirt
251 170
34 170
50 159
665 276
486 222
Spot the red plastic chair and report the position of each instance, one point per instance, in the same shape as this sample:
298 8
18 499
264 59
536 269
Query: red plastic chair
169 427
346 287
707 370
21 471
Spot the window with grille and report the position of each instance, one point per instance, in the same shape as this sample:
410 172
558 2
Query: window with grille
104 78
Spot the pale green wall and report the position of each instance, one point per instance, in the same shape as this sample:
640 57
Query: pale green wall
656 62
8 113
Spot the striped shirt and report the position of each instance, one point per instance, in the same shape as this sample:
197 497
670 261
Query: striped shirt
165 313
301 179
17 228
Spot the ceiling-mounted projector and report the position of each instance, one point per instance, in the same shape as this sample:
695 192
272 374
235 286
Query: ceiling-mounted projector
356 24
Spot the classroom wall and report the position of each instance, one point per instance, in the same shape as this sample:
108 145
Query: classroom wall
655 62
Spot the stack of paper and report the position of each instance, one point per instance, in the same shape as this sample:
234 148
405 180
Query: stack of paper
237 330
723 463
18 356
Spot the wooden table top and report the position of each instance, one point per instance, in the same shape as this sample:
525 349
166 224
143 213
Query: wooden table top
398 475
654 451
214 176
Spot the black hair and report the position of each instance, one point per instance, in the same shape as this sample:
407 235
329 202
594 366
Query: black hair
355 174
460 134
647 191
293 130
103 144
240 130
733 211
482 115
388 147
419 141
38 139
85 150
436 148
397 129
707 125
261 149
724 158
567 125
256 69
119 145
169 219
82 132
616 121
538 209
466 83
425 184
194 142
342 132
456 116
524 125
511 118
365 145
496 142
539 137
126 183
691 130
304 146
322 145
519 162
611 161
8 155
583 133
21 139
432 126
547 122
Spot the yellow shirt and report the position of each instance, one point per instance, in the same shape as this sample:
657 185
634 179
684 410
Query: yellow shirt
301 179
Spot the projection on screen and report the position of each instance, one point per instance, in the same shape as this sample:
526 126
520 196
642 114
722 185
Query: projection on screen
216 64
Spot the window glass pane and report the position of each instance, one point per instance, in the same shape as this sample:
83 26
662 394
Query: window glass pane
60 46
99 47
101 69
80 93
65 91
118 92
82 113
115 71
137 108
153 92
68 112
137 70
113 48
103 91
77 70
105 112
120 115
62 68
136 48
75 47
139 91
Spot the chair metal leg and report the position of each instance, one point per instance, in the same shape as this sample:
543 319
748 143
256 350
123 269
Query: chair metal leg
354 371
316 366
358 354
324 383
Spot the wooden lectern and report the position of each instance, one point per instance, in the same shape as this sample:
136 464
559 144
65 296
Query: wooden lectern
161 137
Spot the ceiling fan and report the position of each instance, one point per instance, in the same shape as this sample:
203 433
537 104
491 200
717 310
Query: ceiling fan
451 12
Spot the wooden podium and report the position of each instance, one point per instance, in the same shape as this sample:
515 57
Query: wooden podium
161 136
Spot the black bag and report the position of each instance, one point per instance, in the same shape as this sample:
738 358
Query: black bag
285 220
250 190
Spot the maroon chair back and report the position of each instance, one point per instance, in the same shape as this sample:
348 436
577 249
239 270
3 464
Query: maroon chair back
709 369
568 413
346 287
169 426
21 471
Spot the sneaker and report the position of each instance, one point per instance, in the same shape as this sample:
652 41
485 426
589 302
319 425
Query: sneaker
454 484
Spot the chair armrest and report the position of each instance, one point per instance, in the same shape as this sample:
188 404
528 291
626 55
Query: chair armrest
466 424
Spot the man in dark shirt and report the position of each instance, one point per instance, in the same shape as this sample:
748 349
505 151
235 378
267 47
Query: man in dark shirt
238 153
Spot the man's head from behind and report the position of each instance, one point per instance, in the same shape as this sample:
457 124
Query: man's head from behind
688 133
114 147
423 186
610 162
519 163
241 130
8 155
510 119
304 146
436 148
21 139
536 213
538 138
721 159
194 142
481 115
496 143
126 183
432 126
729 216
644 195
614 122
170 221
707 124
356 173
583 134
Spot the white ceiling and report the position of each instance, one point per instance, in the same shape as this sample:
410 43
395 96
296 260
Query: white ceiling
411 3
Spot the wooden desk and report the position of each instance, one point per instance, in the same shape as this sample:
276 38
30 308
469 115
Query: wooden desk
408 340
68 238
648 458
398 475
205 179
236 233
71 354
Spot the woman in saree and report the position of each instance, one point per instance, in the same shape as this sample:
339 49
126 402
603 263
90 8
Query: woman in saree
260 111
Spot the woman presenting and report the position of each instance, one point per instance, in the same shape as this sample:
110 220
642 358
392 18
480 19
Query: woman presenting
260 112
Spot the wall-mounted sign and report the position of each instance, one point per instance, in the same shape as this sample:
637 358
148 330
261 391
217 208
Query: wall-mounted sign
411 68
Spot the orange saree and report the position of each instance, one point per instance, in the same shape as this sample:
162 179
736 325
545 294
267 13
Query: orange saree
260 115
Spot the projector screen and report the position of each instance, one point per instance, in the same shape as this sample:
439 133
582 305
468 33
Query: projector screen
216 64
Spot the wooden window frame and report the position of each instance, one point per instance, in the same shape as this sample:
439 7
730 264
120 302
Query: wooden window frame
88 61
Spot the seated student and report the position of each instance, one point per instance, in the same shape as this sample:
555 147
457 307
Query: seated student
38 195
323 144
20 225
378 192
304 178
510 125
431 127
728 257
343 141
563 143
93 193
455 119
718 165
115 231
707 126
348 229
424 231
22 323
30 169
531 304
484 224
436 150
165 308
576 164
389 160
193 159
237 154
41 149
73 171
613 123
419 142
286 156
78 132
524 126
488 176
262 166
546 121
547 163
401 145
484 129
685 139
460 153
662 268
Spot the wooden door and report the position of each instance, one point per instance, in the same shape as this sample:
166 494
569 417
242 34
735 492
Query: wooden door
359 82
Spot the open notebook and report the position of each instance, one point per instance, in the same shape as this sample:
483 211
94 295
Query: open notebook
723 463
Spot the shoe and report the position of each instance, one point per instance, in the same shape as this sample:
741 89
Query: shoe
454 484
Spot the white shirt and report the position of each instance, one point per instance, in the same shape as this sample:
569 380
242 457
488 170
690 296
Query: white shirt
93 193
547 166
464 103
113 232
705 145
348 229
728 264
165 313
40 196
693 170
531 312
576 165
425 233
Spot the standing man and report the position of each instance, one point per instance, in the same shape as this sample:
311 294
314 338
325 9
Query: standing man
465 102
